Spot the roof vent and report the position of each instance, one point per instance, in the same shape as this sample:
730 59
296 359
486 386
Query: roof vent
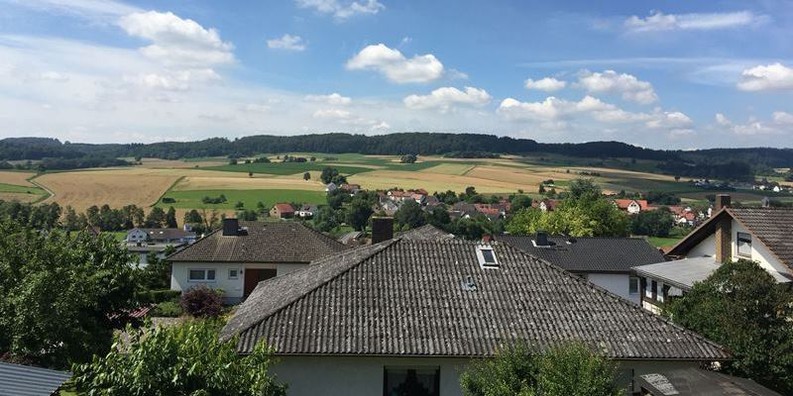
571 240
486 256
468 284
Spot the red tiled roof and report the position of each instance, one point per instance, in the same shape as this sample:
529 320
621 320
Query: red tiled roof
284 208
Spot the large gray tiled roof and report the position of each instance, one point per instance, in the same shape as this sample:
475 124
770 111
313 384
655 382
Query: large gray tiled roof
407 298
265 242
774 228
426 232
590 254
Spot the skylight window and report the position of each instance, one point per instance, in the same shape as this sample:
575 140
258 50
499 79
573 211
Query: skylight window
487 257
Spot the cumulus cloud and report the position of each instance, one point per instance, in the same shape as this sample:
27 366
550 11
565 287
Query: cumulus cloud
334 99
395 66
547 84
447 97
556 111
347 118
766 77
287 42
177 41
342 10
781 123
609 81
658 21
174 81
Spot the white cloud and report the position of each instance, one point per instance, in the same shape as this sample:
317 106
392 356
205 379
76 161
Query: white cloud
255 108
349 119
781 123
547 84
395 66
98 10
333 99
659 21
609 81
177 41
447 97
174 81
341 10
287 42
769 77
53 76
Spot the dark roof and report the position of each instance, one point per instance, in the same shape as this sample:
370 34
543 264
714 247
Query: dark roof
426 232
18 380
771 226
696 382
590 254
282 242
410 298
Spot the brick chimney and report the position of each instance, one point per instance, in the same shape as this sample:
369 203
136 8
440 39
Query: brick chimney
722 201
231 227
382 229
486 238
723 233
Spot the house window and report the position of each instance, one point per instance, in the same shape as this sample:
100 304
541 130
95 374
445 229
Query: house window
633 285
744 244
419 381
659 292
648 291
202 275
234 273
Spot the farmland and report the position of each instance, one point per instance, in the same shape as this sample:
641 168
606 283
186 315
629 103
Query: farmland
187 182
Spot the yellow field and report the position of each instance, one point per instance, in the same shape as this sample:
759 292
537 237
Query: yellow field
16 178
449 169
525 177
383 179
21 197
115 187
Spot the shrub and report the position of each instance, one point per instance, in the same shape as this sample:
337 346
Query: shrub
168 200
158 296
202 302
168 309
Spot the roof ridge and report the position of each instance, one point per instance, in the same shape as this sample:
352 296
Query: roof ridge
619 299
231 329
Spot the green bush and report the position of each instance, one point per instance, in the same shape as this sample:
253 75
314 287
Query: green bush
168 309
158 296
168 200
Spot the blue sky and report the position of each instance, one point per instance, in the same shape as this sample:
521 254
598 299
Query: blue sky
658 74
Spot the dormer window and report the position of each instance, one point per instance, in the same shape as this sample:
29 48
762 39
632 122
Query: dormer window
744 242
486 256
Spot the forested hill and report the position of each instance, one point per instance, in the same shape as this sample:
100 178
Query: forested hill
421 143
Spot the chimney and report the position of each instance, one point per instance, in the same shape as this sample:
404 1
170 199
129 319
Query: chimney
722 201
231 227
382 229
486 238
541 239
723 237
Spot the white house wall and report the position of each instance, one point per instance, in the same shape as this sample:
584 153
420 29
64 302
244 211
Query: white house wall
351 376
705 248
233 289
615 283
759 252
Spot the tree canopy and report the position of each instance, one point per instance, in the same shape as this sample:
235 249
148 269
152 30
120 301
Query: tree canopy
741 307
59 293
570 370
186 359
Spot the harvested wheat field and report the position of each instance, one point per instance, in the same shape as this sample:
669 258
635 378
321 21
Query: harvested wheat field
115 187
16 178
524 177
449 169
384 179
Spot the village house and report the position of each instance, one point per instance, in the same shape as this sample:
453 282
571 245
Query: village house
331 187
375 319
282 211
632 206
351 189
306 211
546 205
140 242
758 234
606 262
241 254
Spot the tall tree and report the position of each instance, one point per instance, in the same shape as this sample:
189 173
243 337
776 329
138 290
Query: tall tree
155 218
570 370
410 215
170 218
59 292
186 359
358 213
743 308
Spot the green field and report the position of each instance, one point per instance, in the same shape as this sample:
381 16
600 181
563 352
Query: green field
287 168
192 199
663 242
13 188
